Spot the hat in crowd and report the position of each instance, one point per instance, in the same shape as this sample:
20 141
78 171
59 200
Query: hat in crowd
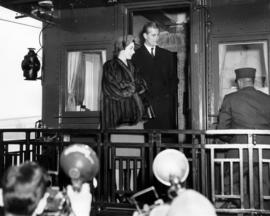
245 73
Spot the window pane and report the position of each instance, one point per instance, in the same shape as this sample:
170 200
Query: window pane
84 80
242 54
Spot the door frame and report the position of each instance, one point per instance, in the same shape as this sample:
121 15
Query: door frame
197 55
213 74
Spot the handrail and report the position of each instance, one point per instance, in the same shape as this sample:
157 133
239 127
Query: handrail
237 131
121 175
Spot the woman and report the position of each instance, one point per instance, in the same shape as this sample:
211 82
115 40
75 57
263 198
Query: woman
122 104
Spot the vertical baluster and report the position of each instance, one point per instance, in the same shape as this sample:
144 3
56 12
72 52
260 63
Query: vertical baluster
212 161
204 166
27 146
121 174
3 154
261 191
231 178
241 177
222 177
251 175
127 176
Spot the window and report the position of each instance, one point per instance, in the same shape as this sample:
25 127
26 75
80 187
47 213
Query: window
242 54
84 70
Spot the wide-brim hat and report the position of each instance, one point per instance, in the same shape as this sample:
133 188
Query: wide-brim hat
245 72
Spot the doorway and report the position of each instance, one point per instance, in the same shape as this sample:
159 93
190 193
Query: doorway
174 23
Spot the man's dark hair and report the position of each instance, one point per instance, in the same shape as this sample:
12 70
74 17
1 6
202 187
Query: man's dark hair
149 25
23 187
145 29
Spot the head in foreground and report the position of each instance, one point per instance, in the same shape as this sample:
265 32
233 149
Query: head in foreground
23 188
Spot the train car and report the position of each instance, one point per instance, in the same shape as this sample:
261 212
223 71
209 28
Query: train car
208 40
201 34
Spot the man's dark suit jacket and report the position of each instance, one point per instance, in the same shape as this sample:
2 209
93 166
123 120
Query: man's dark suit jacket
247 108
160 74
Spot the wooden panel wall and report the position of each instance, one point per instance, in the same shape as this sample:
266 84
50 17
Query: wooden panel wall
103 25
231 21
76 27
231 17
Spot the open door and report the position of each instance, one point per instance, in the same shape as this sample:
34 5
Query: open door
174 23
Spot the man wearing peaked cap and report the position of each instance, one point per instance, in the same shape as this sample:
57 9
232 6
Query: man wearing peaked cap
245 73
247 108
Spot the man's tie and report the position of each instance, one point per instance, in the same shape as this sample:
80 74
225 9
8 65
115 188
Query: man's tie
152 52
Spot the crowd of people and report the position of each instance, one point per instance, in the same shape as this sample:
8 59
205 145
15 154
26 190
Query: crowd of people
26 191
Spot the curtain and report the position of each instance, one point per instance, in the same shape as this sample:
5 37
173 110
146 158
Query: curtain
80 82
176 42
74 60
92 76
237 55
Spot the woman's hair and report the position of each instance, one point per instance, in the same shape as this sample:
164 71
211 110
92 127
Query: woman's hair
23 187
122 42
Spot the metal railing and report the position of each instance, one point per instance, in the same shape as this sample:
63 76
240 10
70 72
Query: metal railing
240 172
236 184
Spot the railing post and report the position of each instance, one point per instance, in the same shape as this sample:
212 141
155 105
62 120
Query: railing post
261 195
151 141
27 146
204 170
101 156
195 179
106 169
251 172
2 155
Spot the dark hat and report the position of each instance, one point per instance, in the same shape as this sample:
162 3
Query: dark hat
245 73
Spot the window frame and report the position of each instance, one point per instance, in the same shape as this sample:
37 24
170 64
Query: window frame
213 75
79 119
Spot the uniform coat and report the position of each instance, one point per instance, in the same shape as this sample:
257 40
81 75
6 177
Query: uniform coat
159 72
247 108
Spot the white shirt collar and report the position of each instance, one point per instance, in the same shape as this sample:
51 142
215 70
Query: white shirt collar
149 48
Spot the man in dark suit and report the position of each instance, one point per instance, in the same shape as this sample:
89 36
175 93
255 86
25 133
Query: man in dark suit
157 67
247 108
